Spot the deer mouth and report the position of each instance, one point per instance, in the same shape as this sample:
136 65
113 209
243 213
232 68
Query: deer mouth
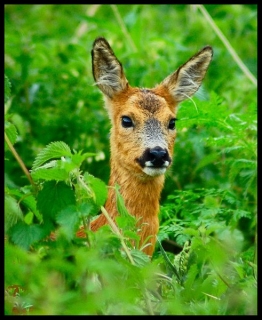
154 161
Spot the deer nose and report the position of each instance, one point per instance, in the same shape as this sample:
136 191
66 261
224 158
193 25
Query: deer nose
158 156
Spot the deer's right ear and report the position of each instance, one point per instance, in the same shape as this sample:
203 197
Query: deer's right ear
107 70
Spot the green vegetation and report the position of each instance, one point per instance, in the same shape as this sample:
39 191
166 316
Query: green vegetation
57 164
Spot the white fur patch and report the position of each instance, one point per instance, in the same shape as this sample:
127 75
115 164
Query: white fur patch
154 171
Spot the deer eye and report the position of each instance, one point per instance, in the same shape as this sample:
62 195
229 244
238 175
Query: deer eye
127 122
172 124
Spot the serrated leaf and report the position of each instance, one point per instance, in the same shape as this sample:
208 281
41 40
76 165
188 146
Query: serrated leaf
99 188
54 197
11 132
7 89
25 235
78 158
49 174
54 150
13 212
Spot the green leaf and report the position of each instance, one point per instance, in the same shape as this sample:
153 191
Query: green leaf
87 209
99 188
125 220
121 208
78 158
27 199
139 257
50 174
11 132
13 212
54 197
208 159
172 268
54 150
68 219
25 235
7 89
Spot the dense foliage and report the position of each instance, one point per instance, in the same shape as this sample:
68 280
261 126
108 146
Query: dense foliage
57 164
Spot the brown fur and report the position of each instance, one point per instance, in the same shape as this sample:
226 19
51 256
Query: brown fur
132 168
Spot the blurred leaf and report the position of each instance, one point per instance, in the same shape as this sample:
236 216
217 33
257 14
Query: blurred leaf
11 132
68 219
7 89
140 258
25 235
13 212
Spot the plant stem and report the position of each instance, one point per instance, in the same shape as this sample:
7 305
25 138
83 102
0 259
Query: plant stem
123 27
19 160
117 232
227 44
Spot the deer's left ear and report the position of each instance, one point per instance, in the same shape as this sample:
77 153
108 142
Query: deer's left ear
186 80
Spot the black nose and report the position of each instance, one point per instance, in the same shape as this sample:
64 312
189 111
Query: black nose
154 157
158 156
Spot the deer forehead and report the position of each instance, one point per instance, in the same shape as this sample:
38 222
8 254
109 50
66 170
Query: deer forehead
143 105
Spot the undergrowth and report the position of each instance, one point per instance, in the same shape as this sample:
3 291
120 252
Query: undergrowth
53 186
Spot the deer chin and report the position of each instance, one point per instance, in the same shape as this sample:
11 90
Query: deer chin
154 172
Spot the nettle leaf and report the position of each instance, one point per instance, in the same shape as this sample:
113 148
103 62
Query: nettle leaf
13 212
54 197
78 158
50 174
54 150
7 89
68 219
11 132
25 235
99 188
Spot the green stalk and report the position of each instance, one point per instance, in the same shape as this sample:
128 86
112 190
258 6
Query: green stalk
19 160
231 50
118 233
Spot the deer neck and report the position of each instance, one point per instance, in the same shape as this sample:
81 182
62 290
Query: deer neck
141 193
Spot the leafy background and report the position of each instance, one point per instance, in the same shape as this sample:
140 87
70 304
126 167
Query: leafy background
209 200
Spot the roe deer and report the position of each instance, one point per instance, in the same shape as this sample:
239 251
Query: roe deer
142 134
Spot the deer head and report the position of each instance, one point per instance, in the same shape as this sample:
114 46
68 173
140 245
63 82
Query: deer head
143 120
